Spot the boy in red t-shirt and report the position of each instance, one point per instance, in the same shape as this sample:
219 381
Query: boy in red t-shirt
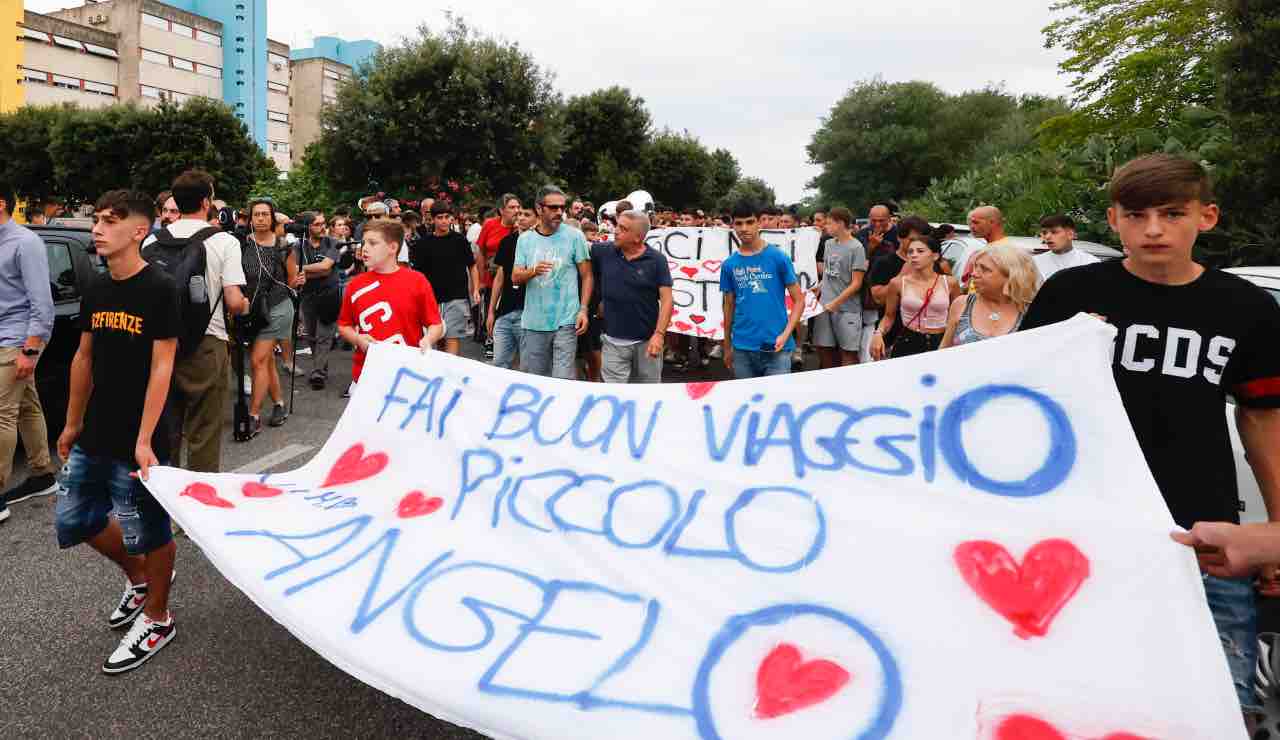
389 303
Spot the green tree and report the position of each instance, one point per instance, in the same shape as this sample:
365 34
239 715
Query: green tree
95 150
200 133
451 105
24 150
677 169
607 132
1249 180
751 188
884 141
725 173
1134 63
305 188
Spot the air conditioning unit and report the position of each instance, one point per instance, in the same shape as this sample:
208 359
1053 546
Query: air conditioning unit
277 66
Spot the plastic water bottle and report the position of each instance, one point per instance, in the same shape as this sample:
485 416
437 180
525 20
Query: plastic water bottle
197 290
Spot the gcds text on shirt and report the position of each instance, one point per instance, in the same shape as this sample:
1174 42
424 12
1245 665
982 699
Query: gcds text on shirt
1180 355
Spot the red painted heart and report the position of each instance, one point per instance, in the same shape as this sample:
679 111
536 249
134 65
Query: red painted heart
695 318
690 271
1029 595
683 326
1026 727
254 489
355 466
416 503
786 684
711 265
698 390
207 495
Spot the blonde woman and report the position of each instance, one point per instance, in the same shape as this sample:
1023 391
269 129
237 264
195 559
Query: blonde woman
1005 279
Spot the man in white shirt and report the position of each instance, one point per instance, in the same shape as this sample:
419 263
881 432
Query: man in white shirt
201 380
1058 233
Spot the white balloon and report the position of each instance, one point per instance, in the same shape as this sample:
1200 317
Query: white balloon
640 200
609 209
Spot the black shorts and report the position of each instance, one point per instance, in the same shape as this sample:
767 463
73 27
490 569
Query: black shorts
590 341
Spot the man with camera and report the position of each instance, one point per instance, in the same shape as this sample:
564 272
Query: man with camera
320 297
201 378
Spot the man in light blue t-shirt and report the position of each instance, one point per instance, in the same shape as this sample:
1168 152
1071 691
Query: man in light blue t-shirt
754 283
553 264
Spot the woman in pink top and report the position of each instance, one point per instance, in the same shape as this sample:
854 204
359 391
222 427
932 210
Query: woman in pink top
919 297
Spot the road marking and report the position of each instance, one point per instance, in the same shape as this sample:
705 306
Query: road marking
283 454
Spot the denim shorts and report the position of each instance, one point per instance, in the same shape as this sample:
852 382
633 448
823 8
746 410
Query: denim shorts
1235 613
98 486
751 363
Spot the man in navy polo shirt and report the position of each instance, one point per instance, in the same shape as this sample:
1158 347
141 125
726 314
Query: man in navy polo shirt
635 287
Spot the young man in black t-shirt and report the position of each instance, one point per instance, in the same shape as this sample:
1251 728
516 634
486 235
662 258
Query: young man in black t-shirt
506 302
445 257
119 381
1187 338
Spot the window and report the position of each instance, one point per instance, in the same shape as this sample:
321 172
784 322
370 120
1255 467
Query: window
101 51
62 272
278 117
182 30
71 83
209 38
27 33
280 147
35 75
183 64
69 43
100 87
332 75
150 92
277 87
155 57
329 99
208 71
274 58
155 21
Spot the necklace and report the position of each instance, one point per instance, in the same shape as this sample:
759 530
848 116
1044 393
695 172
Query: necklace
993 315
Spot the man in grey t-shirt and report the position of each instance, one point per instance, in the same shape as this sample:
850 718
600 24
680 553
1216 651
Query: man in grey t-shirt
320 297
837 332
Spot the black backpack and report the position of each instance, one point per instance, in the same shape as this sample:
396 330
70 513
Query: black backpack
185 260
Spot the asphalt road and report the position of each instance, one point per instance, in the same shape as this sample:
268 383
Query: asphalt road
231 671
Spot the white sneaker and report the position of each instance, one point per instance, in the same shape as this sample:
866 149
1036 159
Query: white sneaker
143 640
717 352
131 603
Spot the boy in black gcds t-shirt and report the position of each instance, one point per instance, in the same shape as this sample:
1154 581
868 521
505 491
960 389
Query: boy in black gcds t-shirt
1187 338
129 324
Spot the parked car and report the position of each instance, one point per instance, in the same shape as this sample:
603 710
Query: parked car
72 263
1252 508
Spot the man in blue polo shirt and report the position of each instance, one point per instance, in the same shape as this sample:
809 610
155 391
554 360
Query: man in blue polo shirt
755 282
635 287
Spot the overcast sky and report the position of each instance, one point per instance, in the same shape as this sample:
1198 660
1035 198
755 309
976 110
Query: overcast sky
752 77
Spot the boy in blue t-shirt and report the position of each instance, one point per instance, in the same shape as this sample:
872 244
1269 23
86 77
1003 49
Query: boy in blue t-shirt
754 283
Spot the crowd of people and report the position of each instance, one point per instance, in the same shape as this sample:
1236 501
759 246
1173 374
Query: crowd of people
547 287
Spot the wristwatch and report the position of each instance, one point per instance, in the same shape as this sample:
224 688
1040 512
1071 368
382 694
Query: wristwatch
30 352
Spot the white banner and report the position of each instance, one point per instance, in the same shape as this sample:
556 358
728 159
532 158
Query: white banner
695 256
962 544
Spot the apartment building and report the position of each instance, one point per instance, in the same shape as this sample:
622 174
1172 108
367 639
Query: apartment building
65 62
318 72
279 127
146 51
163 52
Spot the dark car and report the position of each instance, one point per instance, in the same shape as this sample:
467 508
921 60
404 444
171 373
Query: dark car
72 263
